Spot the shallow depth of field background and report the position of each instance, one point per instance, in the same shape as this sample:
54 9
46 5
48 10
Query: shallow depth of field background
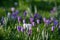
9 31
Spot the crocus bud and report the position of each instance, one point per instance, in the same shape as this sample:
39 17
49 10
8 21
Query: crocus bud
25 13
18 28
51 18
16 12
44 19
24 21
36 15
38 21
59 26
19 18
12 9
30 32
22 29
33 23
47 22
52 28
31 20
55 22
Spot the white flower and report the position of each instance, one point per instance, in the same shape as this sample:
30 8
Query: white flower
24 25
12 9
27 26
8 14
59 26
24 21
38 21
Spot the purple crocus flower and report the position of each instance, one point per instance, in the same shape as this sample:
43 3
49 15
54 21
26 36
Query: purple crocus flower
52 28
19 28
44 19
14 16
25 13
47 21
19 18
16 12
31 19
38 21
30 32
22 29
33 23
55 22
36 15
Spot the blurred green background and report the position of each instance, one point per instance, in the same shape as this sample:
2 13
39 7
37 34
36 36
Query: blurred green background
42 5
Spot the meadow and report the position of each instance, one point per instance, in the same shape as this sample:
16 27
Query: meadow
22 22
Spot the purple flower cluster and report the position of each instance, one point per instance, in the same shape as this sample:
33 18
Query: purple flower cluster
14 14
19 28
46 21
33 20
